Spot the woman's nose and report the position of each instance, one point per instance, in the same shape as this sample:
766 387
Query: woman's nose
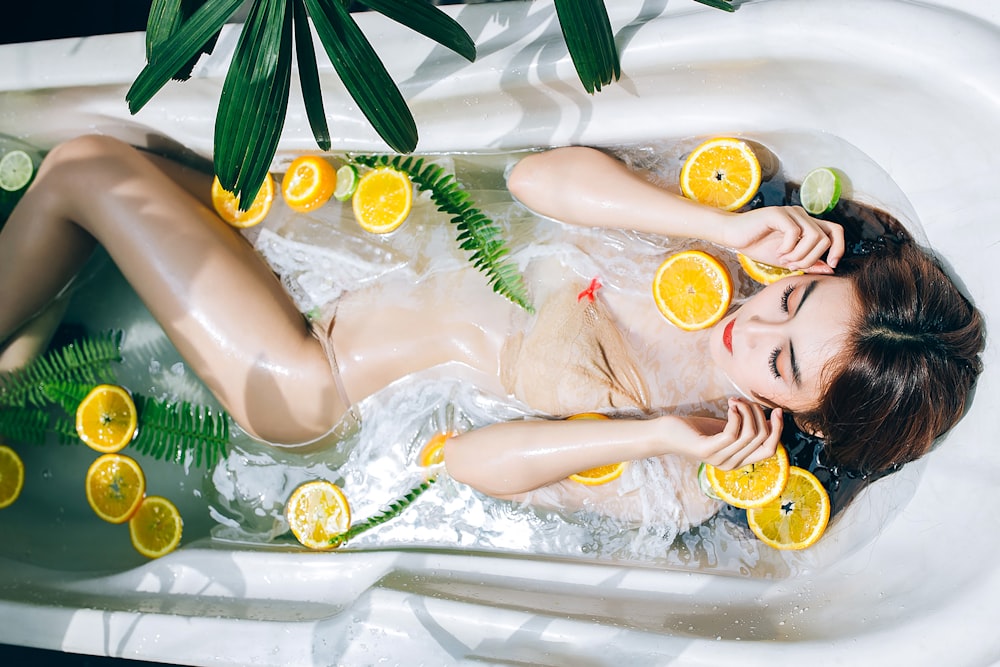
757 329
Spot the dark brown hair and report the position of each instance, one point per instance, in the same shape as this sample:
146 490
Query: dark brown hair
912 359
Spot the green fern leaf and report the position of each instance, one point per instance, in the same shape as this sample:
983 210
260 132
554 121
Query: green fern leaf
391 511
67 395
86 361
170 430
477 233
24 424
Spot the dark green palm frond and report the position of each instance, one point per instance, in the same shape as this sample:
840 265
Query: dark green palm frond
169 430
86 361
429 21
171 55
591 44
477 233
254 100
305 58
724 5
363 74
391 511
24 424
165 19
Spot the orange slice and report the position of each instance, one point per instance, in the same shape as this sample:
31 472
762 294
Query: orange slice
754 485
309 183
764 273
433 452
316 512
156 527
382 200
721 172
11 476
692 289
106 419
600 474
115 487
227 205
797 518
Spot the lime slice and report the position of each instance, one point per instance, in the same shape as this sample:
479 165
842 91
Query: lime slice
820 190
347 182
703 483
16 169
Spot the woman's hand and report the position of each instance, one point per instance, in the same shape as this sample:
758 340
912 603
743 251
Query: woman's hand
786 236
747 436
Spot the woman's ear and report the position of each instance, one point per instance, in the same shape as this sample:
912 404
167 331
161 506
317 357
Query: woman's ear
807 428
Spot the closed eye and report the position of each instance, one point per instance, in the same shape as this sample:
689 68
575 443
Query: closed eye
784 297
772 362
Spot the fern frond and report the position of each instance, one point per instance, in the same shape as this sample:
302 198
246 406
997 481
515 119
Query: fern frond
477 233
169 430
85 361
391 511
24 424
67 395
65 429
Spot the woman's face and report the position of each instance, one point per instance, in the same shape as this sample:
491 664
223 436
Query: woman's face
775 346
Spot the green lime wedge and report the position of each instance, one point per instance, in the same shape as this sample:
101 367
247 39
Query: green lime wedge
347 182
820 190
703 484
16 169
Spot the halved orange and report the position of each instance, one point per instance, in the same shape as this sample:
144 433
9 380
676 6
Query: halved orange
11 476
692 289
156 527
764 273
600 474
116 486
227 205
316 512
433 452
797 518
753 485
721 172
382 200
106 419
309 183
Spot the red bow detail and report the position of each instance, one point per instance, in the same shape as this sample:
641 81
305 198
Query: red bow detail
591 291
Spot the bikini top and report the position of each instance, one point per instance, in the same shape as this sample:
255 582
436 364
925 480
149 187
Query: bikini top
573 358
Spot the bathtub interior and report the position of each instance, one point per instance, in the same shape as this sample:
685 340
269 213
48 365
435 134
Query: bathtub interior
864 587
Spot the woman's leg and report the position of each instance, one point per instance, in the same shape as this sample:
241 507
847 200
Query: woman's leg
218 303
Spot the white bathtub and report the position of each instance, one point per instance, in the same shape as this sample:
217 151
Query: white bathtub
915 85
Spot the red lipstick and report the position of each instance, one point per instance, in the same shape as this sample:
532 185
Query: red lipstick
727 336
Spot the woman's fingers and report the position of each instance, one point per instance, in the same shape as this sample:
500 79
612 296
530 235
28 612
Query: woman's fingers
749 436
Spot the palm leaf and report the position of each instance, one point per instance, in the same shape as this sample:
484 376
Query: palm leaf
171 54
591 44
170 430
165 18
429 21
254 100
477 233
363 74
724 5
305 57
86 361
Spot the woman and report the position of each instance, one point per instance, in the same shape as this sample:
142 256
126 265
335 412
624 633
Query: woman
816 345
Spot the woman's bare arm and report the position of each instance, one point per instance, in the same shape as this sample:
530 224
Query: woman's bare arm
510 458
586 187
